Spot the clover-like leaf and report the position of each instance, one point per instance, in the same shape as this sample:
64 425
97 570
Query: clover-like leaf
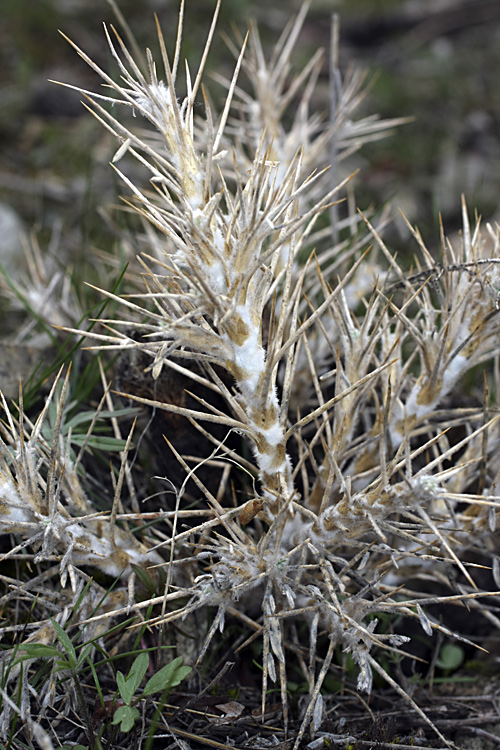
125 716
129 685
167 677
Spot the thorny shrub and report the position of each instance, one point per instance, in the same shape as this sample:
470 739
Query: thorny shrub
367 478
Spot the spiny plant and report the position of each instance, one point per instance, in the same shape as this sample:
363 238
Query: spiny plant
46 508
367 480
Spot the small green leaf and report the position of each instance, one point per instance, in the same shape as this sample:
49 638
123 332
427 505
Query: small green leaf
126 716
145 579
62 664
65 640
86 417
168 677
122 687
137 671
451 657
36 651
128 686
99 443
84 653
79 419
